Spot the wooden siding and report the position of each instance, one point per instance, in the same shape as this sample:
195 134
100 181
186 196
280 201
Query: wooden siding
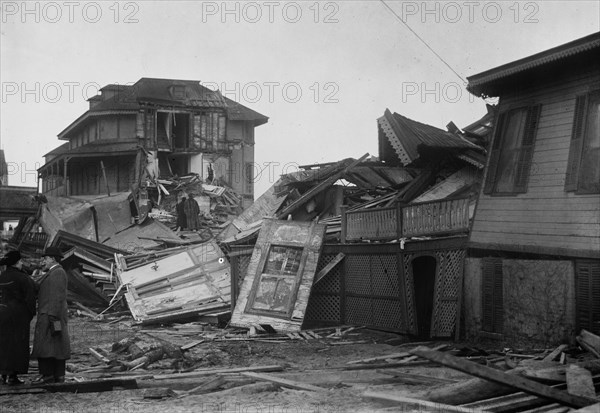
545 219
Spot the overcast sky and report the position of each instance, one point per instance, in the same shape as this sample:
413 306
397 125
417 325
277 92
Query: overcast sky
322 71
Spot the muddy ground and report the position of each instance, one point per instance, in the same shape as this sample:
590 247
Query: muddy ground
315 361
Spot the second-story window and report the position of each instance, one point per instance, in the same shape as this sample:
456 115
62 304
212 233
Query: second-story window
583 167
512 151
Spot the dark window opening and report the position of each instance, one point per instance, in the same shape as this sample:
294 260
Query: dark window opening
424 269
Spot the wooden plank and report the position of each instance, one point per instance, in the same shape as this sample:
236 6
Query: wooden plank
409 378
208 372
498 376
392 356
437 407
332 264
589 341
595 408
556 352
579 382
284 382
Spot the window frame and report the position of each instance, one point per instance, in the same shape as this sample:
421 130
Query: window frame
524 159
573 181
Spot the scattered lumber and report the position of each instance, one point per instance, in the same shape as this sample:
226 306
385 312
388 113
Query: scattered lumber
497 376
208 372
410 378
590 342
284 382
208 386
579 381
89 386
437 407
558 350
392 356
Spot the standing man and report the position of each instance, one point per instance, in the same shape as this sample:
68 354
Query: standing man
17 308
181 219
192 210
51 343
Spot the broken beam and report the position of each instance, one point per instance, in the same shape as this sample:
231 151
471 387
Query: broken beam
437 407
284 382
488 373
338 258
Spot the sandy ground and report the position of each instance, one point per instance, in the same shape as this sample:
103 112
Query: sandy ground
314 361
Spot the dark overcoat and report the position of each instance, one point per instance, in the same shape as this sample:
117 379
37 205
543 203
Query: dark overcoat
17 308
52 305
192 210
181 218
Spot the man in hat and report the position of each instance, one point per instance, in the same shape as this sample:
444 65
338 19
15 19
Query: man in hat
192 210
51 344
17 308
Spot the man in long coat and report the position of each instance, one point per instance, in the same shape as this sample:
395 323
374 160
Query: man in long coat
181 218
51 344
192 210
17 308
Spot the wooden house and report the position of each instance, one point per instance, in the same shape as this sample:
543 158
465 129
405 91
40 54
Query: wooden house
533 271
180 125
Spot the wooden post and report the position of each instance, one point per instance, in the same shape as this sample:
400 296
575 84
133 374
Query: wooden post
104 175
66 178
344 224
399 218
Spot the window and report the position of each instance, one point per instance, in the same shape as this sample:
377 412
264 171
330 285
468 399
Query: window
492 296
512 151
277 286
583 167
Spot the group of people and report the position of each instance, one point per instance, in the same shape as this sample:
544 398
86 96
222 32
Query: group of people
18 295
187 213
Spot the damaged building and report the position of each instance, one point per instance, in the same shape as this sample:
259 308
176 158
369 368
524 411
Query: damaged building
533 271
392 229
152 129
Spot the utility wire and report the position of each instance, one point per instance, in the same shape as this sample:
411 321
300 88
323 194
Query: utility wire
423 41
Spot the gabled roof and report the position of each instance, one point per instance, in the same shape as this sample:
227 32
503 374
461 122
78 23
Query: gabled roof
491 82
128 99
406 136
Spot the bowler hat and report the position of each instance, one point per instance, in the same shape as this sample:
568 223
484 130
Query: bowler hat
11 258
53 252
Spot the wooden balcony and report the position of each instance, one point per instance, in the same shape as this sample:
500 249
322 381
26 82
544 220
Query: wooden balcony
422 219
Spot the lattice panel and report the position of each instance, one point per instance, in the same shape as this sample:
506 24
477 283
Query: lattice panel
358 311
384 270
411 319
447 294
331 282
358 275
388 314
324 308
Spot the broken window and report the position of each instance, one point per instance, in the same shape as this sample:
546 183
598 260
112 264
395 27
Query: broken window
583 167
277 284
510 159
249 172
210 131
492 296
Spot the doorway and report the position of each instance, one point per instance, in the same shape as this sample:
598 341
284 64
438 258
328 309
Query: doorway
424 270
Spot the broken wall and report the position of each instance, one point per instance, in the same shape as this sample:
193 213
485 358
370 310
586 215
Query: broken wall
538 300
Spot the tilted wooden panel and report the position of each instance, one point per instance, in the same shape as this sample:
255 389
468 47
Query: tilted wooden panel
294 237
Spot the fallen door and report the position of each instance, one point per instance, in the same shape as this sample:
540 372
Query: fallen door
280 274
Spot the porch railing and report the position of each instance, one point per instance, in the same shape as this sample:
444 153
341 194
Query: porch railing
422 219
